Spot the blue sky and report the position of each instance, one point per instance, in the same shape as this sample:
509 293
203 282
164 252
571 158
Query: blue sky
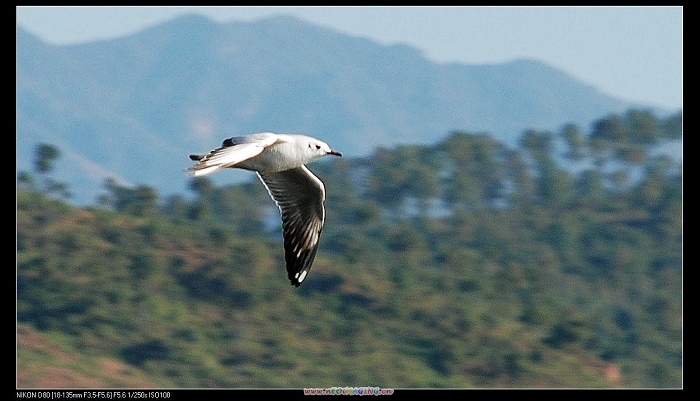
633 53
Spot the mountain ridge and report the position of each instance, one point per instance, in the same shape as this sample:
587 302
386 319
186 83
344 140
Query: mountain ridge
138 105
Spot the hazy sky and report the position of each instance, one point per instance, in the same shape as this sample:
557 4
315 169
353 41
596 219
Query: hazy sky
633 53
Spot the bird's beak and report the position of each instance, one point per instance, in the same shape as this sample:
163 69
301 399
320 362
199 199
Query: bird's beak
333 152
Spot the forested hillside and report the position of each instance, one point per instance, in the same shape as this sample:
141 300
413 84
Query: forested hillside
463 264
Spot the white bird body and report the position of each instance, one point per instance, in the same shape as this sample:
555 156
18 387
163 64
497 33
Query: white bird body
279 160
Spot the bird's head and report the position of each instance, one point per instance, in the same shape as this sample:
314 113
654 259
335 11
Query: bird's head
320 148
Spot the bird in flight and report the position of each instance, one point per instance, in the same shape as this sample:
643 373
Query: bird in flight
279 160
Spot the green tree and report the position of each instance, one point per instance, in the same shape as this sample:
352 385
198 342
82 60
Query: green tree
575 141
141 201
401 174
554 184
537 143
202 186
644 127
476 170
672 126
45 156
524 186
145 202
611 129
607 135
25 180
176 207
589 185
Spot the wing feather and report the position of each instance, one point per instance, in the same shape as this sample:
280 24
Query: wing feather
300 196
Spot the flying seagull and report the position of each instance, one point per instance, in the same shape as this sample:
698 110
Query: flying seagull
279 160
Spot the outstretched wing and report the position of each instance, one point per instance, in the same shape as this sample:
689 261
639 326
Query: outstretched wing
300 196
232 151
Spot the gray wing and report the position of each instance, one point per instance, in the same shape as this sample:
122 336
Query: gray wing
300 196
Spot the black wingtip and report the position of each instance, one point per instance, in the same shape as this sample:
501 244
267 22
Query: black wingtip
196 157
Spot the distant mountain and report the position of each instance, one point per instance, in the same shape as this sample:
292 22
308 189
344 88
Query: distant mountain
133 108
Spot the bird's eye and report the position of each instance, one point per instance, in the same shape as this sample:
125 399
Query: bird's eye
318 146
